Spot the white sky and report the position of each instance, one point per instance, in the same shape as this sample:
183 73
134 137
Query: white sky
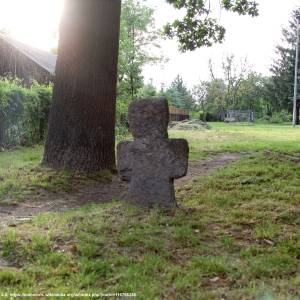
35 22
254 38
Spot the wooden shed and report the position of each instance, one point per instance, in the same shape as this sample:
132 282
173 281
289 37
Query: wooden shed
25 62
178 114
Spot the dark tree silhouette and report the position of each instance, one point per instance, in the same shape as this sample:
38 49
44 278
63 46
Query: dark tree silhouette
81 134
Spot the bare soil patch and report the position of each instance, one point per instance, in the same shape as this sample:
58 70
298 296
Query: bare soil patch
99 193
207 166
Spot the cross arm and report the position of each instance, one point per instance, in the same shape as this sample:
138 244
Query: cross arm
179 159
124 160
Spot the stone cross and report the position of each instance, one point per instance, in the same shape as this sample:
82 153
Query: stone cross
152 161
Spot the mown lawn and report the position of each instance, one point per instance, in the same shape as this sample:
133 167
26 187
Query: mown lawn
235 234
239 138
22 176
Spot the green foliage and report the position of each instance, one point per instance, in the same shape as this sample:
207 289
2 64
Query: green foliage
12 98
24 112
197 115
252 94
122 118
281 87
179 95
199 93
197 28
136 34
147 90
37 110
214 101
281 117
239 88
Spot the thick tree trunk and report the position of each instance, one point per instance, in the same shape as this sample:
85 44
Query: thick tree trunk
81 134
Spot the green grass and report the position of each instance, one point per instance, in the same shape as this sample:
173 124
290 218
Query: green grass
241 138
23 177
235 234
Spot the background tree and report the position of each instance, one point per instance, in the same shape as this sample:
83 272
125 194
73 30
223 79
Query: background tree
239 88
148 90
82 122
216 100
137 34
179 95
137 37
222 92
252 95
234 74
283 69
199 93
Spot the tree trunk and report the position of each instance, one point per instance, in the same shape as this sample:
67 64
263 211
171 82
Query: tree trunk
297 113
204 113
81 134
2 130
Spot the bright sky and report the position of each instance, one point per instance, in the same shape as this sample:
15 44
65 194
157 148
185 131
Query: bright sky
254 38
35 22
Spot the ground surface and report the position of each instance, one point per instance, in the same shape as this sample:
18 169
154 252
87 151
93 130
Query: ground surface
98 192
235 233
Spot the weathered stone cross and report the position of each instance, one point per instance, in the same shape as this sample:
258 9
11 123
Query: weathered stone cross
152 161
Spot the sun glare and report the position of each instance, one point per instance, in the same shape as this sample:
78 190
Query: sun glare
34 22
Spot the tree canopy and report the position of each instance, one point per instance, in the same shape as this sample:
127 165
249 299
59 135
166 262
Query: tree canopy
198 28
282 85
136 35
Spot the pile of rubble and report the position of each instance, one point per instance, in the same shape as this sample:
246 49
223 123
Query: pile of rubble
189 125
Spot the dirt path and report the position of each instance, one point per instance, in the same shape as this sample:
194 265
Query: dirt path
204 167
100 193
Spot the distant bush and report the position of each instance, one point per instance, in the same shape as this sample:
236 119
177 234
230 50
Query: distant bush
276 118
23 112
281 117
196 115
213 117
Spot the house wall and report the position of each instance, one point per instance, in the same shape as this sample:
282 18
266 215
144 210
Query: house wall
178 114
16 64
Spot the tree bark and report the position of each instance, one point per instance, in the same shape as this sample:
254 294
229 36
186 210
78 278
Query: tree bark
81 134
297 113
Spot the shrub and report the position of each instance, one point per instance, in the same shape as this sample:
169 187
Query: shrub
281 117
37 109
212 117
23 112
196 115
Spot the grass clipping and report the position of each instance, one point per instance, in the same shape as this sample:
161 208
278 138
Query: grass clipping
189 125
